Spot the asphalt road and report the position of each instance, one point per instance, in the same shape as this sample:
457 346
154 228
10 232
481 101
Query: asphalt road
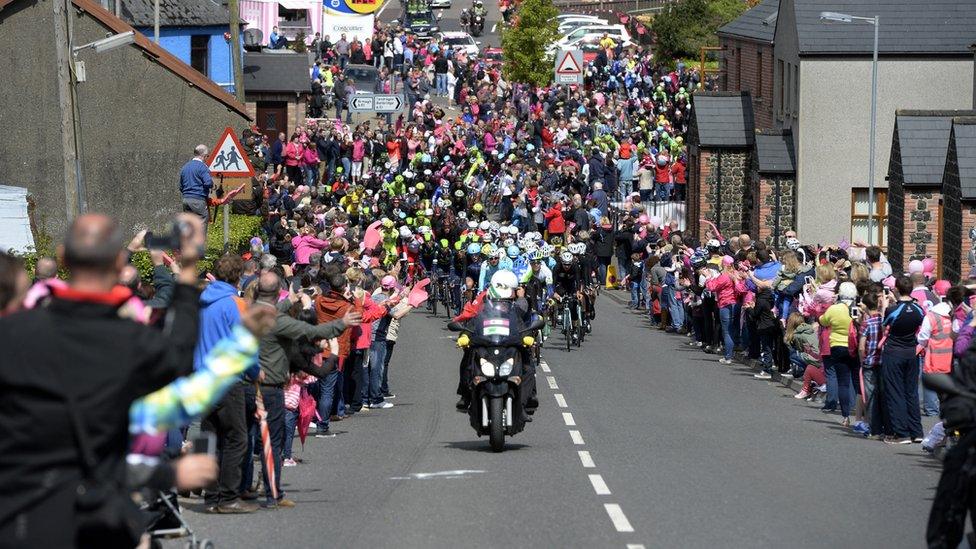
640 441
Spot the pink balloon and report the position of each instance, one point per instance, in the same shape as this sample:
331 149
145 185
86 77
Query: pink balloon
928 265
915 266
642 219
339 232
889 283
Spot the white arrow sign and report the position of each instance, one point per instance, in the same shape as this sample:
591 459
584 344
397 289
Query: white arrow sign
373 102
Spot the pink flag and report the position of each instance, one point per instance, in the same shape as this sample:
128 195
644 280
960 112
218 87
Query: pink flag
417 294
372 236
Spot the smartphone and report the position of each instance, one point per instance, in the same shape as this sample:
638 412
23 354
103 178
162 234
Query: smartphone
855 313
206 443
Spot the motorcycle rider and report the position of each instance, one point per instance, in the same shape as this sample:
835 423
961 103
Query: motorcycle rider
478 11
465 18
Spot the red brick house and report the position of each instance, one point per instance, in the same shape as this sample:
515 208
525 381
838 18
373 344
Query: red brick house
747 58
774 187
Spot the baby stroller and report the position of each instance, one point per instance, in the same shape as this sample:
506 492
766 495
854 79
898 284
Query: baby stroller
166 522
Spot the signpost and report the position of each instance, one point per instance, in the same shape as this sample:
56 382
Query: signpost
569 67
375 102
230 159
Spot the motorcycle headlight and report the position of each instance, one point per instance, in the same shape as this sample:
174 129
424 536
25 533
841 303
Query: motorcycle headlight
488 368
506 368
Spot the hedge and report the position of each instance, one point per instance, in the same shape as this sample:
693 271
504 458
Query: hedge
242 229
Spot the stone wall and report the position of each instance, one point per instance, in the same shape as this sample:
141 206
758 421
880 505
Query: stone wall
968 222
766 226
922 230
725 190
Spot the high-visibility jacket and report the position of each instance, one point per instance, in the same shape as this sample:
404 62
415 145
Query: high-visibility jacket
938 348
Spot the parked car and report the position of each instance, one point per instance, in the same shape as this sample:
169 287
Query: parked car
617 32
569 25
462 41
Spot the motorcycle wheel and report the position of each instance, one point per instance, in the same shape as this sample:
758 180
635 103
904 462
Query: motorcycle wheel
496 426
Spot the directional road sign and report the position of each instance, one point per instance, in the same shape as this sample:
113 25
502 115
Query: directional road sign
569 67
229 158
375 102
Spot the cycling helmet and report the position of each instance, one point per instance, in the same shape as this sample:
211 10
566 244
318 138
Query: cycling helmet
408 174
488 250
493 226
457 245
508 242
464 215
566 257
478 207
399 178
713 245
387 223
698 261
413 246
484 226
474 249
502 285
420 186
405 232
793 243
428 212
472 225
444 243
459 193
547 250
513 251
500 253
411 190
536 255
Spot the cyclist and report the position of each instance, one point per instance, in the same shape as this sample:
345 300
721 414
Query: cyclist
567 283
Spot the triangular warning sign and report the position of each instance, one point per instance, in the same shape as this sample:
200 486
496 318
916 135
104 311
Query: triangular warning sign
568 65
229 158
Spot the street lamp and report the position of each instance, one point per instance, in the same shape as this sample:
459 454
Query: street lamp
830 16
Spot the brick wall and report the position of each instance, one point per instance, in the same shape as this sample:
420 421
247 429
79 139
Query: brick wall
742 72
764 218
922 231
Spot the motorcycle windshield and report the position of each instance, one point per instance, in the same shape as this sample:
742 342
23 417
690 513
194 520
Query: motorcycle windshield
498 324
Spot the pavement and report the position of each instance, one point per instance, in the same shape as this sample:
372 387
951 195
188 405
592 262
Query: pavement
640 440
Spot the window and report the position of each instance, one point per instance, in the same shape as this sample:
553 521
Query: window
779 88
796 91
759 75
199 52
859 216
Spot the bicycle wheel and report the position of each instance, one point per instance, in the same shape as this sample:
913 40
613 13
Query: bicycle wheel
568 328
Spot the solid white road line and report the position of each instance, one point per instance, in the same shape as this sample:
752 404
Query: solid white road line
618 517
586 460
552 382
560 400
568 418
599 486
577 438
545 367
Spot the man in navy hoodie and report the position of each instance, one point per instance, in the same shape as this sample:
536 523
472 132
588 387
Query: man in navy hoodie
220 311
196 184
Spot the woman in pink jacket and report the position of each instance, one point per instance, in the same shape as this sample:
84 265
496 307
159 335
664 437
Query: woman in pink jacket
293 154
305 244
723 286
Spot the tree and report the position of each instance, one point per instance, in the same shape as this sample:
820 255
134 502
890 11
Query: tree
524 44
689 25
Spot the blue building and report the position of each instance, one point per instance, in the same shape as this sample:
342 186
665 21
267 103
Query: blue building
192 30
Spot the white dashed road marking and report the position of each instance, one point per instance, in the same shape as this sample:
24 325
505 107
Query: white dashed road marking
599 486
635 546
586 460
568 418
552 382
577 438
618 517
545 367
560 400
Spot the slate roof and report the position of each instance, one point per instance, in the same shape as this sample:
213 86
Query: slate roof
908 27
776 152
175 13
923 141
723 119
964 131
276 72
758 23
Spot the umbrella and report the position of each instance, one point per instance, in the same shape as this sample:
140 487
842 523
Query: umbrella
269 464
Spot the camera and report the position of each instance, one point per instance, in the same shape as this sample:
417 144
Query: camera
171 240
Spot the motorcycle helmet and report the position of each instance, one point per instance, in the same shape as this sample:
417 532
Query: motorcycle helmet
502 285
513 251
474 249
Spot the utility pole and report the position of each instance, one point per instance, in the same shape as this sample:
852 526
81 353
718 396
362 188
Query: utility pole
156 21
235 49
71 166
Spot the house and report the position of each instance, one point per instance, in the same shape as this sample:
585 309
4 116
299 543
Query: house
191 30
959 182
720 155
138 114
747 58
293 18
277 86
822 92
774 187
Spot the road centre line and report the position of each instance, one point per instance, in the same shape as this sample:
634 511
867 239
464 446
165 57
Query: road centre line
545 367
569 419
599 486
577 438
618 517
552 382
586 460
560 400
635 546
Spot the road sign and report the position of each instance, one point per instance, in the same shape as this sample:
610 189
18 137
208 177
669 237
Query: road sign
229 158
569 67
374 102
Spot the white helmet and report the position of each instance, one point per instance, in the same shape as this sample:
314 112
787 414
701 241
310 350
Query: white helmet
428 212
405 232
464 215
472 224
508 242
566 256
503 284
793 243
484 225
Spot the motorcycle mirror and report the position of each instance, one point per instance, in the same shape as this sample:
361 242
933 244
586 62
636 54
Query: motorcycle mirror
537 324
943 383
455 327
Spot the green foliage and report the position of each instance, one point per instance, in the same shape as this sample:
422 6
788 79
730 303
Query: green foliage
687 26
242 229
524 45
298 44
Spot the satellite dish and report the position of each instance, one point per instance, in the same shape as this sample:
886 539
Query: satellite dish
253 39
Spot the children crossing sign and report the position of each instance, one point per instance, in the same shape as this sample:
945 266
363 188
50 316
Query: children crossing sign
569 67
229 158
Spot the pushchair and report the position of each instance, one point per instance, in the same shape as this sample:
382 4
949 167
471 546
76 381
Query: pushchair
166 522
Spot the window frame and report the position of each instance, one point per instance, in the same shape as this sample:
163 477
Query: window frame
880 214
195 50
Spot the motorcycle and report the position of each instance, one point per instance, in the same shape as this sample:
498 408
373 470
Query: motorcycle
499 368
477 24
